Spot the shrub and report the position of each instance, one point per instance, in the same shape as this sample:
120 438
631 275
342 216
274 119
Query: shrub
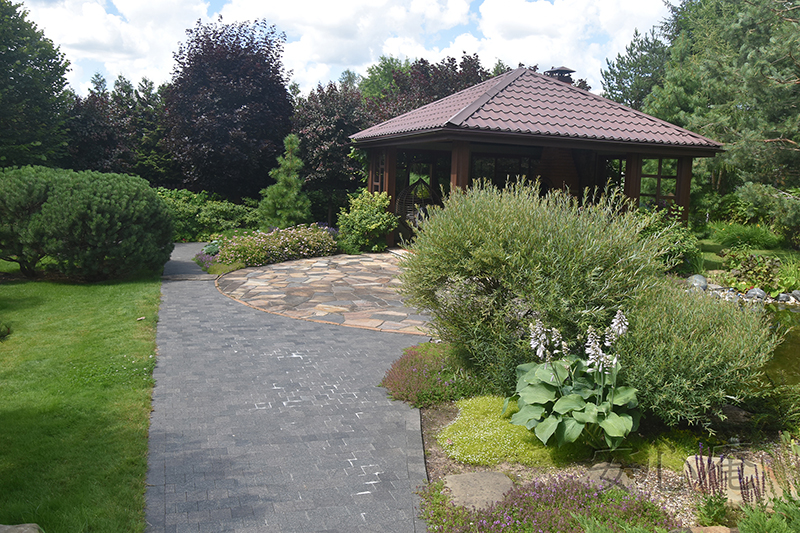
258 248
94 225
551 505
768 205
753 235
682 251
429 374
750 270
490 262
101 226
364 226
5 330
197 216
25 190
689 354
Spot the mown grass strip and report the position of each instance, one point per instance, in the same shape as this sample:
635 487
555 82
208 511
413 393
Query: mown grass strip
75 390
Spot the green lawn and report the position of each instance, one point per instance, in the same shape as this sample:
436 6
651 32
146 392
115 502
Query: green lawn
75 388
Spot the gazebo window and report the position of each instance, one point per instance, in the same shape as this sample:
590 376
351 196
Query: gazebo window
378 173
659 183
501 168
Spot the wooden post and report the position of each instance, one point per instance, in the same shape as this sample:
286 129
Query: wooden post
684 185
633 176
459 165
390 178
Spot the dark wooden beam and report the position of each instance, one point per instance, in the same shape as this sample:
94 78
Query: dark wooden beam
459 165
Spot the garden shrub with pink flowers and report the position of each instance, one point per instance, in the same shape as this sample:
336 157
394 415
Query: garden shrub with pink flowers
256 248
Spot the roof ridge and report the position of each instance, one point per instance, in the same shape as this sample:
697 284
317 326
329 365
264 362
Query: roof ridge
505 81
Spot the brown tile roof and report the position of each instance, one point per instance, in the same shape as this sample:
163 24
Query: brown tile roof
522 101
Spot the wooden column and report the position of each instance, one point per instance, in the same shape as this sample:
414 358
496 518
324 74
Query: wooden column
633 176
684 185
390 177
459 165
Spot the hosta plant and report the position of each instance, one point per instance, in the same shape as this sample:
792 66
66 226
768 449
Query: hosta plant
575 397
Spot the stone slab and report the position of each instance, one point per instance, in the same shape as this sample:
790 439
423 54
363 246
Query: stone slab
22 528
477 489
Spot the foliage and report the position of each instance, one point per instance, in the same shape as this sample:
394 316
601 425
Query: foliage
481 435
575 397
429 374
197 216
749 270
364 226
204 260
25 190
630 78
732 75
102 226
553 505
33 91
257 248
784 517
325 120
682 252
77 382
491 261
767 205
593 525
689 354
228 108
283 204
5 330
789 275
416 84
751 235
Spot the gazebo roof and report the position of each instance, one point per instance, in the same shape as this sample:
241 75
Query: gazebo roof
522 102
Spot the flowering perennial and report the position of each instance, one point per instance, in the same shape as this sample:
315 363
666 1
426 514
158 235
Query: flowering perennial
258 248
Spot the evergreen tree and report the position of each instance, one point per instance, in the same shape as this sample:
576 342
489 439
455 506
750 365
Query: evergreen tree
33 91
630 78
284 204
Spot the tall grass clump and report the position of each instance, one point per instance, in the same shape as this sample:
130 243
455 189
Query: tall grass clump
688 354
491 261
756 236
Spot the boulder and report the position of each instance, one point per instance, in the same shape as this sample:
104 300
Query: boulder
607 474
697 282
477 489
22 528
756 294
783 297
796 295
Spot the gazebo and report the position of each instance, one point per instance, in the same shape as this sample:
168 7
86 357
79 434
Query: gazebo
526 124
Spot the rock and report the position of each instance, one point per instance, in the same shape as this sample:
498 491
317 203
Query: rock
735 418
756 293
22 528
606 474
796 295
697 282
783 297
478 489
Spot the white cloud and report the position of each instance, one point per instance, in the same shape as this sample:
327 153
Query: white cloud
138 37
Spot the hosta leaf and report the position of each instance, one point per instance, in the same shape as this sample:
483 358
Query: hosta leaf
546 372
568 430
565 404
625 395
547 427
529 416
508 401
538 394
524 369
617 426
587 416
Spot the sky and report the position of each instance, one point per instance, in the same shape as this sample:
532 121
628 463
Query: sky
137 38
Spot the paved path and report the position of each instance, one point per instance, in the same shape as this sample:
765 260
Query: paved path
263 423
351 290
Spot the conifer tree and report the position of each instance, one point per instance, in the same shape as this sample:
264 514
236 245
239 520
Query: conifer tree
284 204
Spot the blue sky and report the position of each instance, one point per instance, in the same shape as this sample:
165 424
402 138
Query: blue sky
136 38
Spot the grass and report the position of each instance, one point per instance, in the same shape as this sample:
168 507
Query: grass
76 375
713 261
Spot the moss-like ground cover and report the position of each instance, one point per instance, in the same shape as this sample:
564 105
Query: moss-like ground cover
75 390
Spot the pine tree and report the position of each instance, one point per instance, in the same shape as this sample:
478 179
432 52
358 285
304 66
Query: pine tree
284 204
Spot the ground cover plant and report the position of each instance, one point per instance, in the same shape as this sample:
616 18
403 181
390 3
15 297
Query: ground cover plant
256 248
75 402
555 505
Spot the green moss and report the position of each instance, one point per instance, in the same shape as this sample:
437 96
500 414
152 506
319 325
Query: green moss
482 436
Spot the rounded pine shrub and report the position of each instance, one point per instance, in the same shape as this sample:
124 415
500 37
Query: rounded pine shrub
101 226
491 261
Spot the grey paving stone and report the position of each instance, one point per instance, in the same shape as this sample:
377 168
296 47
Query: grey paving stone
264 423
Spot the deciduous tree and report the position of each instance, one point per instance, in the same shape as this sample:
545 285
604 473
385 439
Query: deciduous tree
228 108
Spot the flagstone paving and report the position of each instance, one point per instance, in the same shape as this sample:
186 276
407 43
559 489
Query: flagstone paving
348 290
